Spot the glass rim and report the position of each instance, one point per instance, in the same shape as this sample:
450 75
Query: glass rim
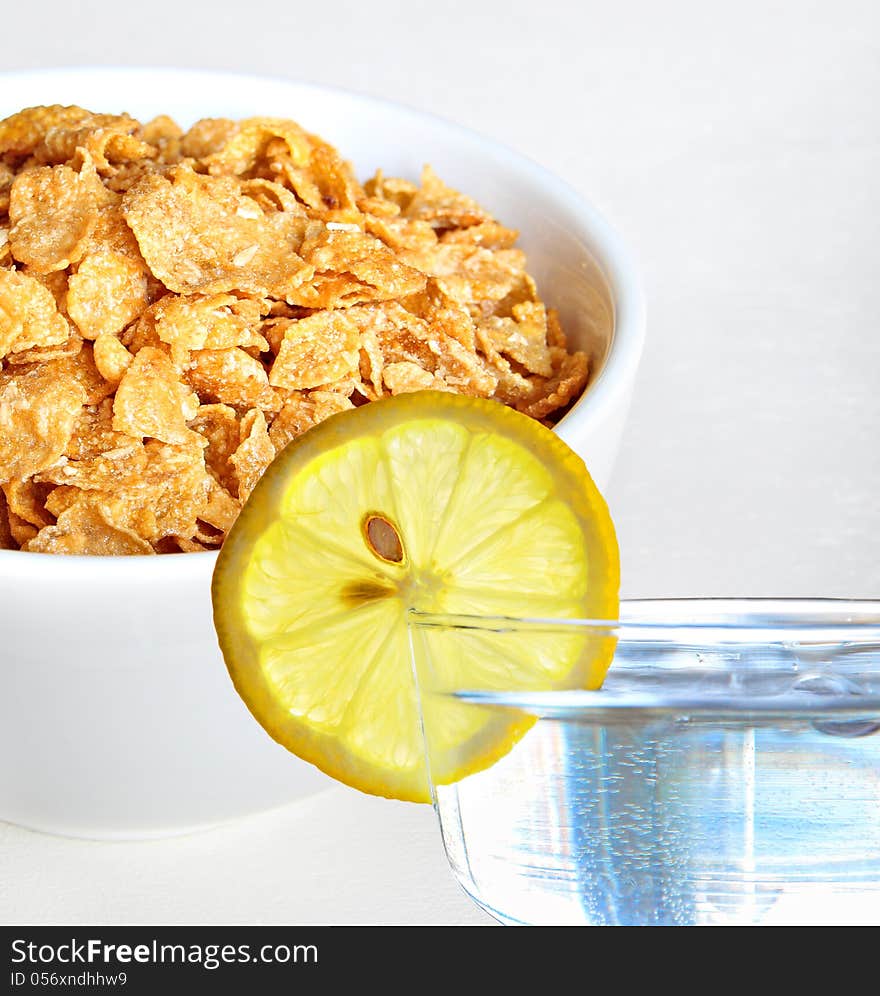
705 639
751 620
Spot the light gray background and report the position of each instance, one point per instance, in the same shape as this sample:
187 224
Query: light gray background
736 148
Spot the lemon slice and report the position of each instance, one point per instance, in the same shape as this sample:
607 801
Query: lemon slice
431 501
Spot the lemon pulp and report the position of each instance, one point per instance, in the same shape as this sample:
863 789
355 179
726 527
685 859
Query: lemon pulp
429 501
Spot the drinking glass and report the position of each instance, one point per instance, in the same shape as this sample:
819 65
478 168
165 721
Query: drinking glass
726 772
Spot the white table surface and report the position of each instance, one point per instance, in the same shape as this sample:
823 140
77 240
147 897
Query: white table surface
736 148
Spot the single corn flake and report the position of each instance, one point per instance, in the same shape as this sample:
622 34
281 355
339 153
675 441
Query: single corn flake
530 347
218 425
111 358
391 189
400 335
61 498
486 235
108 291
175 486
417 237
21 133
48 240
238 150
327 184
275 326
165 135
107 472
231 377
207 136
461 369
372 360
523 290
404 377
555 333
38 410
568 382
316 350
112 234
29 317
254 454
71 346
444 313
469 274
151 401
272 196
93 433
221 509
441 206
55 283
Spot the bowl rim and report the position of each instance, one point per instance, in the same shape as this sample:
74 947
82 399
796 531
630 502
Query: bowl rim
607 391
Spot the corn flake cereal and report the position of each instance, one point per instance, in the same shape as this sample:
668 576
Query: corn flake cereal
152 402
38 410
71 346
200 234
177 306
29 317
237 148
404 377
221 510
21 133
350 267
301 411
80 366
231 377
254 454
85 529
7 541
107 292
27 500
218 321
21 531
111 358
316 350
52 211
441 206
218 426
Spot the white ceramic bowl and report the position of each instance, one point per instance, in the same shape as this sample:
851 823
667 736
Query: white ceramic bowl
117 718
